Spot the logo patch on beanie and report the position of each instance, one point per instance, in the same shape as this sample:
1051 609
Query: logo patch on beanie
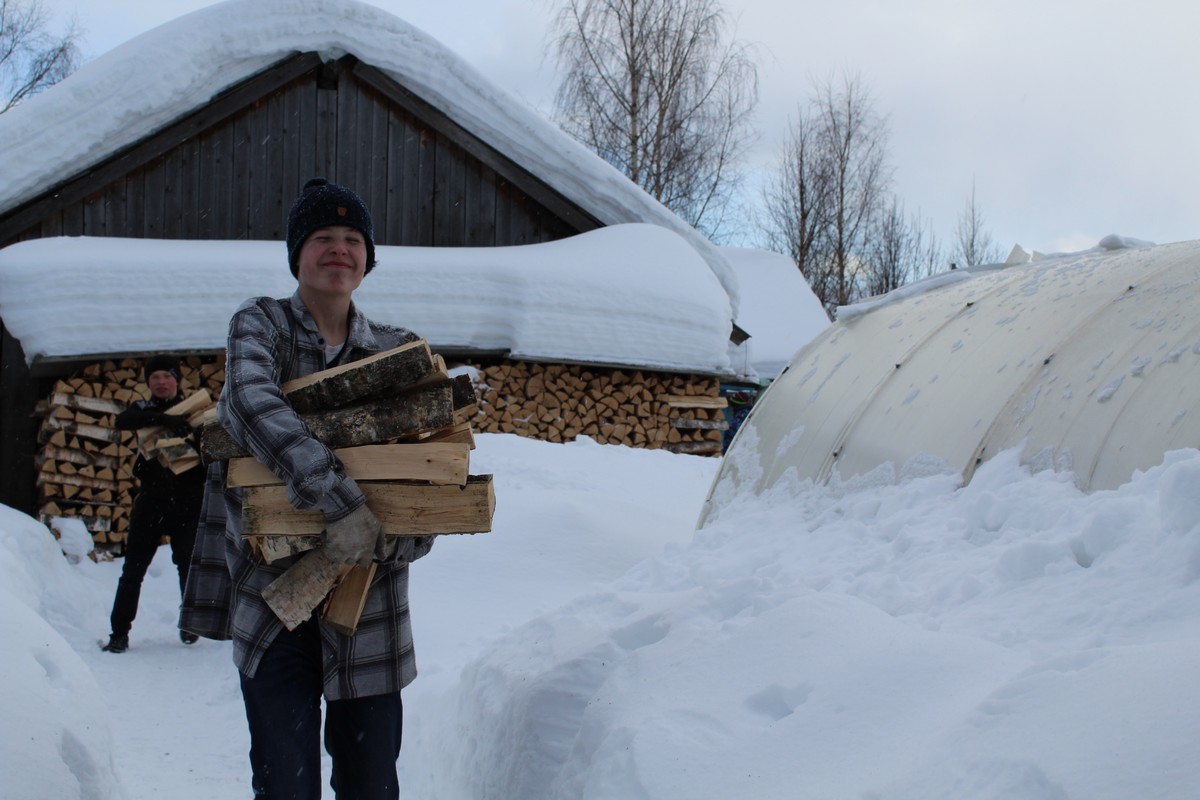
341 211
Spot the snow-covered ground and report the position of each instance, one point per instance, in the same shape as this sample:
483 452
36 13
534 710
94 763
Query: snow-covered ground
1014 638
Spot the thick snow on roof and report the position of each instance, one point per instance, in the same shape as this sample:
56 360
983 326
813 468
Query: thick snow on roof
119 98
627 294
1088 363
778 308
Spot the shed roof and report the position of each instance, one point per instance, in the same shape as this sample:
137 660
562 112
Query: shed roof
1088 362
115 101
629 295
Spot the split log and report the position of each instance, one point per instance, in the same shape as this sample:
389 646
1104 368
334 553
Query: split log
203 417
273 548
465 397
404 509
695 448
83 402
101 434
195 402
299 590
437 462
63 454
147 440
459 433
702 424
345 605
77 481
369 423
693 401
182 465
171 448
368 377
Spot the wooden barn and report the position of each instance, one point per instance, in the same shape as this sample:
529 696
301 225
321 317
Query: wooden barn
216 143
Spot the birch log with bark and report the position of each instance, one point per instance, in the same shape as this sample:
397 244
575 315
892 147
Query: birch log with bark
369 423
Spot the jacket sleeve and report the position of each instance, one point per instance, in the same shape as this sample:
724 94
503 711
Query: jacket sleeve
253 410
137 416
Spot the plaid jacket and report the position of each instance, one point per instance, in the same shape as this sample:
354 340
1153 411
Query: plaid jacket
224 592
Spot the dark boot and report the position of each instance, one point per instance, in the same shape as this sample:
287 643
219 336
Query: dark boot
117 643
187 637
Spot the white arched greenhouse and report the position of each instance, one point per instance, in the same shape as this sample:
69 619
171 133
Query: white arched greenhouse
1090 362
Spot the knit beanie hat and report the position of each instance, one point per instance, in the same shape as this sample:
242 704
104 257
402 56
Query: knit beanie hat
164 363
320 205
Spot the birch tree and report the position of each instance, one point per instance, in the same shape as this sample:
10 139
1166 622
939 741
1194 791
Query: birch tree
829 188
31 57
973 244
657 89
797 205
900 249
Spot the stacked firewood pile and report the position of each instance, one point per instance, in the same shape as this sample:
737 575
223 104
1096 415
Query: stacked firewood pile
85 464
636 408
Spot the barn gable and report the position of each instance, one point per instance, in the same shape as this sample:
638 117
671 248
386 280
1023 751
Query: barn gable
230 169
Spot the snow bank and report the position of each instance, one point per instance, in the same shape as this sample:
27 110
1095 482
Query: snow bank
58 740
898 638
885 639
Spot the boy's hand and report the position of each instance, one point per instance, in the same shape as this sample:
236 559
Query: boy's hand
354 538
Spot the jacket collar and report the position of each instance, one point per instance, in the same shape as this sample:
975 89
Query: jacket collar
359 335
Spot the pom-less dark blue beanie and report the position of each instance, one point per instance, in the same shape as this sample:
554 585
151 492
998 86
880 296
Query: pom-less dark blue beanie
163 363
320 205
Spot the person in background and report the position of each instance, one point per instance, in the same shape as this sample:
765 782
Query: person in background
283 673
166 504
741 403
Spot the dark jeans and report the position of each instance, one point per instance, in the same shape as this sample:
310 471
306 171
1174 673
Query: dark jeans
151 519
283 708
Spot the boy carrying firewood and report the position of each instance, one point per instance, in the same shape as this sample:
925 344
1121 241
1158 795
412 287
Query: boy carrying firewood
284 672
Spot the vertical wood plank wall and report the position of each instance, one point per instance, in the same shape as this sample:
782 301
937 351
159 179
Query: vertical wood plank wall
237 179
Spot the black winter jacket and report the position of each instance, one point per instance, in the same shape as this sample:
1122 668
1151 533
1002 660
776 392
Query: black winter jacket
155 480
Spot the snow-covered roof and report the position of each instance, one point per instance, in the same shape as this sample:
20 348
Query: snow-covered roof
778 308
635 295
1089 362
157 77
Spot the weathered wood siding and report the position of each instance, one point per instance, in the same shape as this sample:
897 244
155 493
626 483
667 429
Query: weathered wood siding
237 178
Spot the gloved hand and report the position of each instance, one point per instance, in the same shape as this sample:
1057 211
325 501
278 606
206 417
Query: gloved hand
405 549
355 538
177 424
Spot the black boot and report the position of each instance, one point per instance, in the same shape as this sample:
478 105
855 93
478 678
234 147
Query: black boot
117 643
187 637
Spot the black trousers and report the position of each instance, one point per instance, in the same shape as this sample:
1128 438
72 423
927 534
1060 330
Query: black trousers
150 520
283 709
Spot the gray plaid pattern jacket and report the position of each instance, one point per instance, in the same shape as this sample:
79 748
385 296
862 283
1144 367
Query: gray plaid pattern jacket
223 599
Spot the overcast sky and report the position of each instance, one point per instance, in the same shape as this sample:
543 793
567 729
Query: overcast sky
1074 118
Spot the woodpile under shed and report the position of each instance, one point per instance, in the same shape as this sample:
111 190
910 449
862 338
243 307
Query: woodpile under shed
85 465
631 407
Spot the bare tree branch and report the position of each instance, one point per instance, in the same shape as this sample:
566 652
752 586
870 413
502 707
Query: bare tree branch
31 58
974 244
829 189
899 250
653 87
